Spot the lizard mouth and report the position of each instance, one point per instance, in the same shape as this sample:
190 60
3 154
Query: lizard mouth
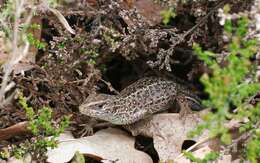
92 109
95 113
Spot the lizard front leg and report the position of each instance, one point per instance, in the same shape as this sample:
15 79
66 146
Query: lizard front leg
93 102
88 128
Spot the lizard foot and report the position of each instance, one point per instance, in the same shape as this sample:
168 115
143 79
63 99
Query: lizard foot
87 130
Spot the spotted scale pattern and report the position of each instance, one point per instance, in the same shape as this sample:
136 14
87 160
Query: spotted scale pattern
137 101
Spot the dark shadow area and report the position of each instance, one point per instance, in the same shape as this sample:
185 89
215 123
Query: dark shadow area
187 143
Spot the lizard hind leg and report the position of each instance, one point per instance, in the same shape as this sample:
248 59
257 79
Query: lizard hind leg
189 104
185 107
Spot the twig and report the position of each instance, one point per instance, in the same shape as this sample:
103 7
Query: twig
110 87
19 51
182 38
231 125
194 146
62 20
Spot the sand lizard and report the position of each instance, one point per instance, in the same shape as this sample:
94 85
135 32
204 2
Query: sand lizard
140 100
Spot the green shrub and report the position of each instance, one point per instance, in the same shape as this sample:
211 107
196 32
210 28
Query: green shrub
44 131
232 83
209 157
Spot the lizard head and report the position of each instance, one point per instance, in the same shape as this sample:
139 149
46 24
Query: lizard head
93 104
92 109
98 106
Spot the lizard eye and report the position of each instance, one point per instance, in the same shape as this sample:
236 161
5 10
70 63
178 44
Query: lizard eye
97 104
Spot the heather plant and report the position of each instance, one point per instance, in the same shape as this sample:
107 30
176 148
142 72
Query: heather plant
230 86
15 20
44 129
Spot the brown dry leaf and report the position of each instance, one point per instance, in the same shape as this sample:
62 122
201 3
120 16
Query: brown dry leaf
150 10
26 158
14 130
108 144
168 131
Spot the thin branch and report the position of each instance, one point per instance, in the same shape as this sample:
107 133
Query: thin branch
62 20
18 51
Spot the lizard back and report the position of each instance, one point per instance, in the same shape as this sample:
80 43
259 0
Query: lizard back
137 101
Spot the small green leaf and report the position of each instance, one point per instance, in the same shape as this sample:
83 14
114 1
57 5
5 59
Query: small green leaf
167 15
78 158
226 138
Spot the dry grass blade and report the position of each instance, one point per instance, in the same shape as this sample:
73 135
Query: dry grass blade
62 20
